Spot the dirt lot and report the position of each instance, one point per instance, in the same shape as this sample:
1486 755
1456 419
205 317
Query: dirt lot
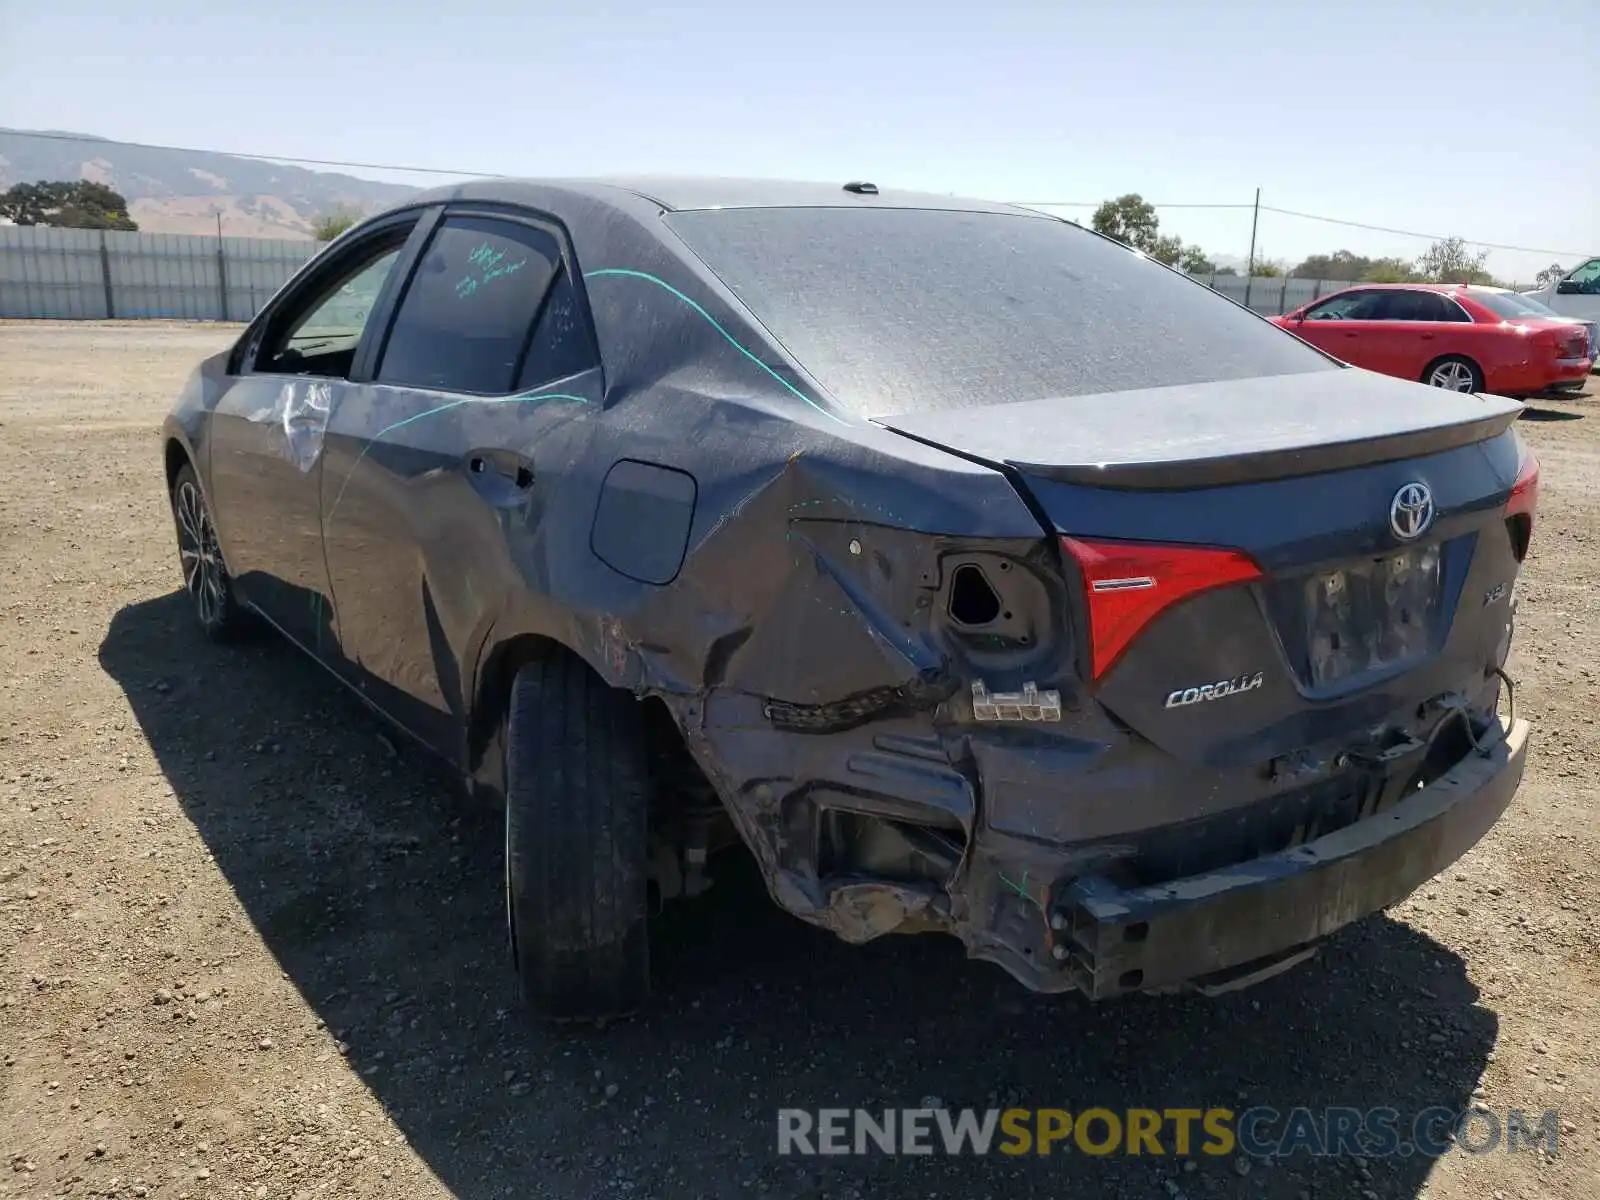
250 947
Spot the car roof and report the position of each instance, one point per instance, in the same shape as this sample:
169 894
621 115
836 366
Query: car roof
682 193
1416 287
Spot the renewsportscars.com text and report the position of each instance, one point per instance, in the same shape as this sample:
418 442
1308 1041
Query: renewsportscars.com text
1180 1132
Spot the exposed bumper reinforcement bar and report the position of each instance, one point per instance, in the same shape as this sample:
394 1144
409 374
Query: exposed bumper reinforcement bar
1247 919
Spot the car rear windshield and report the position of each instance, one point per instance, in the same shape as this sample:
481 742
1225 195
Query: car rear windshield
1510 306
907 310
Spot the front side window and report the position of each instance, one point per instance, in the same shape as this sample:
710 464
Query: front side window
1585 280
318 334
1351 306
467 316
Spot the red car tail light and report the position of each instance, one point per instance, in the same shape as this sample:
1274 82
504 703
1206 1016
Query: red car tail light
1522 504
1129 584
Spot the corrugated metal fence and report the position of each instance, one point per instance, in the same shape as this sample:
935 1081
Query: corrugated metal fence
92 275
1272 295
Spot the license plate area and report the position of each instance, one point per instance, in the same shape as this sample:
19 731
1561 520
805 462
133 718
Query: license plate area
1371 615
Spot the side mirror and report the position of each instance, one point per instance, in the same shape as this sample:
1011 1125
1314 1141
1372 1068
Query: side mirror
1567 287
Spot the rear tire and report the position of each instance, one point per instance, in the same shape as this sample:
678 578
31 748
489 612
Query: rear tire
1454 373
205 575
577 802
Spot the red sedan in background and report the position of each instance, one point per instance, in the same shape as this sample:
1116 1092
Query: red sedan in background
1464 338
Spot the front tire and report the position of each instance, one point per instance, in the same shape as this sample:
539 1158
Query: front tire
1454 373
205 575
577 801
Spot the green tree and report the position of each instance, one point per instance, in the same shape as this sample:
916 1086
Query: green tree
1194 261
1554 273
1267 268
75 204
331 224
1449 261
1341 264
1130 219
1388 270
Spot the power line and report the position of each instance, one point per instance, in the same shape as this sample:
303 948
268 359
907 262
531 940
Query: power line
1097 203
1413 233
414 170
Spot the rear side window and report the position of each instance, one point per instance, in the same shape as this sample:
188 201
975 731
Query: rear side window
1418 306
465 321
904 310
1512 307
562 342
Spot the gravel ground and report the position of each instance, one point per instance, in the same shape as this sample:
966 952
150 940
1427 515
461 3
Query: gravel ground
250 947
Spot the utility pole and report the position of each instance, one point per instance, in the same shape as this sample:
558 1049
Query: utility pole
222 269
1250 265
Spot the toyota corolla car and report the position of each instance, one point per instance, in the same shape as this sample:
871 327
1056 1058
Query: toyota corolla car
1455 336
975 572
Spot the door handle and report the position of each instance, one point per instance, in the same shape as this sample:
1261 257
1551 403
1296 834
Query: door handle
1427 337
500 475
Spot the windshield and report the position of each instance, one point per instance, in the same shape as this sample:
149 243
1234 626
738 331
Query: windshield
905 310
1509 306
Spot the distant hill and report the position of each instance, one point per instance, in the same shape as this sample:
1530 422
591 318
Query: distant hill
176 191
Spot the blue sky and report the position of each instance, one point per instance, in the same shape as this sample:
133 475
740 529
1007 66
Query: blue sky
1477 119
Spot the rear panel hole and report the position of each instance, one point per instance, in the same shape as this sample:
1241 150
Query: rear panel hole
972 600
1131 979
1137 932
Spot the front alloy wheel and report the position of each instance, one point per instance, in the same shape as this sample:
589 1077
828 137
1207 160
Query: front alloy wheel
205 576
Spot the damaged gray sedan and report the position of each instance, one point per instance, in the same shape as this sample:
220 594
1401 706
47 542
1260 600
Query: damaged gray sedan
977 573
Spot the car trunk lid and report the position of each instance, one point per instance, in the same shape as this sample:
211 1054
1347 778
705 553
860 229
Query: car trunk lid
1268 565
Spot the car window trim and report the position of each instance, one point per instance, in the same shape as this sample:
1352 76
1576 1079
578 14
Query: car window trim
513 214
334 258
1354 293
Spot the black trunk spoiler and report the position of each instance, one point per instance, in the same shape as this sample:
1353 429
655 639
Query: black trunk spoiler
1214 434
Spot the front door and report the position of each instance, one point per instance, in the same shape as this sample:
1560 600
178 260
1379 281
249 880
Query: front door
1343 326
269 427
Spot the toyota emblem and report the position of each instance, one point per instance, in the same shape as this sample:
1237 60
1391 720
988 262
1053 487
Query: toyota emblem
1411 511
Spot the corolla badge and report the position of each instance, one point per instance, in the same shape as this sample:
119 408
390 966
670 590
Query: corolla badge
1223 688
1411 511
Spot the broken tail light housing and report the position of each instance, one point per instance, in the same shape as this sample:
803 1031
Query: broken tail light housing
1128 584
1523 502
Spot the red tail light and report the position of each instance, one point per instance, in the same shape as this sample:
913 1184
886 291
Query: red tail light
1523 503
1129 584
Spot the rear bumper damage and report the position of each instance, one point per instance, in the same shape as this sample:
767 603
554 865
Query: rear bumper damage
1062 914
1244 922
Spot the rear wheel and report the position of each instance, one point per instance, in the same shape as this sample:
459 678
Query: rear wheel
577 787
1454 373
205 575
